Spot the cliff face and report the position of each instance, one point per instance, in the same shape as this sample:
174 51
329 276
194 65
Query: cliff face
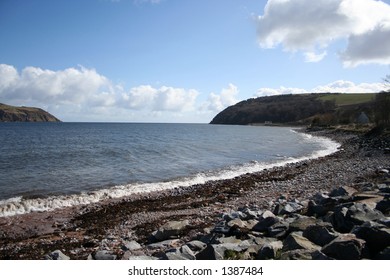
24 114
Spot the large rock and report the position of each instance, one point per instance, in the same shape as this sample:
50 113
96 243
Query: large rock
295 241
360 213
320 234
301 223
170 230
264 224
270 250
384 206
196 245
56 255
342 191
166 244
182 253
222 251
377 236
278 230
345 247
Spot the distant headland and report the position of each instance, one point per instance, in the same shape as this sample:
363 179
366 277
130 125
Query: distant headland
24 114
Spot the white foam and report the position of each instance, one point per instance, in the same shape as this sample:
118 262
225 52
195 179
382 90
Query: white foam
16 206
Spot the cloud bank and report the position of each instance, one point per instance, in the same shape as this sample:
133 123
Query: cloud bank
311 26
84 91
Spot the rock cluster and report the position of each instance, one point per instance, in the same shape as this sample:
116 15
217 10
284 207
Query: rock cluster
345 224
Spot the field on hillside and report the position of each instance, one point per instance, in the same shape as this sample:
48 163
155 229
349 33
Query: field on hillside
349 98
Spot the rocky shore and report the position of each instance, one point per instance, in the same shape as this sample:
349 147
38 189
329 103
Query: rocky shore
335 207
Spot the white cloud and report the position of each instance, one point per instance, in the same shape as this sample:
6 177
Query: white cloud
314 57
218 102
81 90
279 91
339 86
311 26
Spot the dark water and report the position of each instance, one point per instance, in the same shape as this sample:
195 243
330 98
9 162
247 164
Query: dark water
50 165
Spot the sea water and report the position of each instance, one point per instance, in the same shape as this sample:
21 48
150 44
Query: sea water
44 166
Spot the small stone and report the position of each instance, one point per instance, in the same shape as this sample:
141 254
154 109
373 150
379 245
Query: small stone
132 246
56 255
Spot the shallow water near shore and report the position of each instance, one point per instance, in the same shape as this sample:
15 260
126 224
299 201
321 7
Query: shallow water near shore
45 166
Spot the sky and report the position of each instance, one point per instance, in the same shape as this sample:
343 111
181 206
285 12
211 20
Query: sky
185 60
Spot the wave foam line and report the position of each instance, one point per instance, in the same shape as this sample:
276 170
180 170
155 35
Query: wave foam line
17 206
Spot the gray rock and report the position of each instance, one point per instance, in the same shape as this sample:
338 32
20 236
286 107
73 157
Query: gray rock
243 225
377 236
222 227
171 243
345 247
278 230
288 208
384 206
196 245
265 223
295 241
320 234
182 253
170 230
270 250
234 215
301 223
131 246
103 255
360 213
220 251
342 191
56 255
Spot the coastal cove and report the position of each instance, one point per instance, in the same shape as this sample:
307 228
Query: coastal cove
109 229
49 166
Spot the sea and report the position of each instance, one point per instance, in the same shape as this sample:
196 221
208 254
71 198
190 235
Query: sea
45 166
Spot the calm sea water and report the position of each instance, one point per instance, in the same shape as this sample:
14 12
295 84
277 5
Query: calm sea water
44 166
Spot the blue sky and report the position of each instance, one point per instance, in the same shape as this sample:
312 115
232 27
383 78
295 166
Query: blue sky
185 60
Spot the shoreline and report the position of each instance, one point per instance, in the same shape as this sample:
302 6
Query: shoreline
20 206
83 230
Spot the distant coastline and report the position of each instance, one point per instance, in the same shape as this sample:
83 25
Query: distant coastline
10 113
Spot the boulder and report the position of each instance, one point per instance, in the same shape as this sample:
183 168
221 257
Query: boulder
320 234
360 213
182 253
170 230
384 206
377 236
301 223
289 208
265 223
269 250
171 243
56 255
304 254
295 241
278 230
222 251
345 247
343 191
196 245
